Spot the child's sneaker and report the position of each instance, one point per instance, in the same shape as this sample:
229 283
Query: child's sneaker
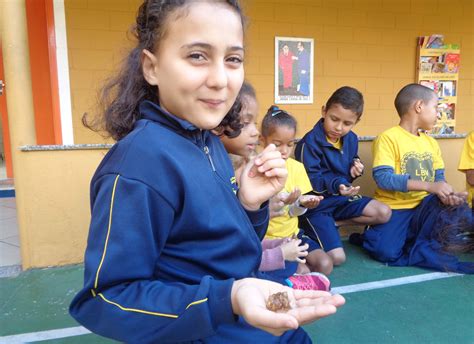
356 239
310 281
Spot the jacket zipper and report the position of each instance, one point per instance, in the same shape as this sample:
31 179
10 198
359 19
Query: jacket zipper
206 150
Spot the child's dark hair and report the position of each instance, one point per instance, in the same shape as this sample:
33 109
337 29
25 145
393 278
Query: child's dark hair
410 94
276 117
231 125
349 98
247 90
121 95
454 229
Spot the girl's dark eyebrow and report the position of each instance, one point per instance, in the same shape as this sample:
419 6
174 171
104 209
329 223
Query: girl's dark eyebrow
208 46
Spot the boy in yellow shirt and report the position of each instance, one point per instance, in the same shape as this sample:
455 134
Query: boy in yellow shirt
466 165
409 172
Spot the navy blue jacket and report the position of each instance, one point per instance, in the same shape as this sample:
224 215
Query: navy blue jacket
327 167
168 236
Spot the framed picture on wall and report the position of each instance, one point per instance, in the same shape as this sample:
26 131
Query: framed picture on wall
294 68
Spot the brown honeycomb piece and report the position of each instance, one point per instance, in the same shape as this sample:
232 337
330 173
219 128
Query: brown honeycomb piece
278 302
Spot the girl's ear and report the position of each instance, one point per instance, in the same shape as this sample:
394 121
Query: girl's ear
149 62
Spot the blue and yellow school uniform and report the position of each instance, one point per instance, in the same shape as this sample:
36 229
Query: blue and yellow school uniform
286 226
328 166
409 238
467 163
168 237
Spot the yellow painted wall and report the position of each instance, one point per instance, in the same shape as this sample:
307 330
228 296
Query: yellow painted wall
97 43
368 44
54 231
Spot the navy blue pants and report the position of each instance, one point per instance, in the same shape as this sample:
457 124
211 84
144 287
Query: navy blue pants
410 239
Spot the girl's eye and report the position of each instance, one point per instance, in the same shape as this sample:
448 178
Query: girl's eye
196 56
291 144
235 60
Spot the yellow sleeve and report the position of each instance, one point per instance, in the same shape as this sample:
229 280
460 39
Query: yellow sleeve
467 155
383 152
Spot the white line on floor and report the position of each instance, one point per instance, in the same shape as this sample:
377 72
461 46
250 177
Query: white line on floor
78 331
392 282
44 335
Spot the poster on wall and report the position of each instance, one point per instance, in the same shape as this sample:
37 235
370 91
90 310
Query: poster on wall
294 58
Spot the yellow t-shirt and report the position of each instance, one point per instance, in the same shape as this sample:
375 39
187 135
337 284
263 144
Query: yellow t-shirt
467 163
286 226
337 144
417 156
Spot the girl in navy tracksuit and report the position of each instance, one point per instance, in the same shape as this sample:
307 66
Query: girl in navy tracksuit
172 250
329 154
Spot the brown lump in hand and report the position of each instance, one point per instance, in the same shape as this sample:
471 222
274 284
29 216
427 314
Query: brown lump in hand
278 302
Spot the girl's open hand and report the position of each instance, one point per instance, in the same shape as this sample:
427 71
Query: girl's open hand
249 297
262 178
310 201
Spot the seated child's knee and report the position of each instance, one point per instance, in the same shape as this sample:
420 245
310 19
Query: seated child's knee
385 213
320 261
338 256
387 254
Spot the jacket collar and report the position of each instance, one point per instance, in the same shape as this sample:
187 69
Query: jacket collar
320 134
153 112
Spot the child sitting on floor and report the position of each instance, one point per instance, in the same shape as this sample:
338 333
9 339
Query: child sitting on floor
282 257
329 154
409 172
279 128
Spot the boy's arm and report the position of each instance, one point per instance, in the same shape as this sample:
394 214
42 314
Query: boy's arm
386 179
326 181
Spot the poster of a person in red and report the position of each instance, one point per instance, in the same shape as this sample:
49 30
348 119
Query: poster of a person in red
294 70
285 61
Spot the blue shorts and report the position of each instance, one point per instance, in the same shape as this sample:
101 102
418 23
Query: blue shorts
312 245
320 223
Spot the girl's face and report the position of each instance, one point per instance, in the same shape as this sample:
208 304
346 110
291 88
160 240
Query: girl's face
283 137
244 144
428 114
338 121
198 65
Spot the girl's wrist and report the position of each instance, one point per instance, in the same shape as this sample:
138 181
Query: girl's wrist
250 206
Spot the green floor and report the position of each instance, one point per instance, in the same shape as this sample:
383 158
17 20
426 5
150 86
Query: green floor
436 311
